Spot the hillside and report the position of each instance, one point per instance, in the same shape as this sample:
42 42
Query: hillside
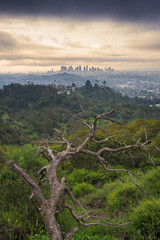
110 195
28 112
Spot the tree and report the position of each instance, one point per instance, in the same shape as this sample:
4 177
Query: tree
60 189
104 83
88 84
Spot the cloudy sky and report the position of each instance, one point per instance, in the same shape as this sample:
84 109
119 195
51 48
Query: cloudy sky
38 35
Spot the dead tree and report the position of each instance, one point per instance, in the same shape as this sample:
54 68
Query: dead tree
60 189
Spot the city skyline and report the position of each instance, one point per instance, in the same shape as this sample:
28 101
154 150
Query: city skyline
84 68
34 36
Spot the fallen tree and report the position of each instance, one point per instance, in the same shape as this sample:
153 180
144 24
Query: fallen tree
60 189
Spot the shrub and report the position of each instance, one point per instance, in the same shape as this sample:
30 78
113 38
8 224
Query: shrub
83 175
146 219
82 189
90 237
95 233
65 220
92 177
151 182
39 237
98 197
123 197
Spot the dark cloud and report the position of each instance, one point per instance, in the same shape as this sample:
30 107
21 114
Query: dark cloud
130 10
7 42
46 61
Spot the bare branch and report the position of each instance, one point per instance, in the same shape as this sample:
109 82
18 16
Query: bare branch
76 117
145 134
105 140
147 142
100 222
43 150
42 170
82 108
124 110
157 148
53 142
138 141
48 159
106 149
74 200
149 156
50 153
36 206
142 190
29 181
112 120
64 128
64 139
105 225
71 233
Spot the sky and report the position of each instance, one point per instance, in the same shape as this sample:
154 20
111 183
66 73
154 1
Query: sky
38 35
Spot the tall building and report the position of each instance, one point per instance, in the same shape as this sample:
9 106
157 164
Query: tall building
70 69
63 69
86 68
79 68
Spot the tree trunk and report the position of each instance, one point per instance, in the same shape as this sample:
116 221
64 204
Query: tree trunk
52 227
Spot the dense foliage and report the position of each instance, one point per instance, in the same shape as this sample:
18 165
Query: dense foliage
96 189
28 113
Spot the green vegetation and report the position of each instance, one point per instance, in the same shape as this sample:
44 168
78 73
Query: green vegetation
27 115
29 112
95 188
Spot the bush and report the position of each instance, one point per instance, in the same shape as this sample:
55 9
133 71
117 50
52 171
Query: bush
151 182
82 189
26 158
83 175
123 197
39 237
65 220
83 236
95 233
15 205
98 197
146 220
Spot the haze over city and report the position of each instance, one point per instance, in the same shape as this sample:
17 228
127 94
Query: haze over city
37 35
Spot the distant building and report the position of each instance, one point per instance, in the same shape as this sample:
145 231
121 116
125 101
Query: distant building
63 69
70 69
109 69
